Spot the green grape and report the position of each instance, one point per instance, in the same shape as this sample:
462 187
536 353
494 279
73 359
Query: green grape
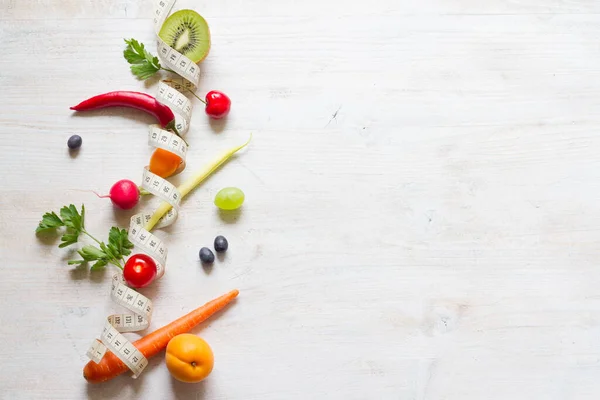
229 198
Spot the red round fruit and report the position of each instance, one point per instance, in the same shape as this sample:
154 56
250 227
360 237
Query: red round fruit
139 271
217 104
125 194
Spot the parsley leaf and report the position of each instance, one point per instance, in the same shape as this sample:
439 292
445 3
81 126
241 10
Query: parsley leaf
118 242
91 253
72 218
143 63
117 248
68 239
144 71
114 252
99 265
49 221
135 52
69 218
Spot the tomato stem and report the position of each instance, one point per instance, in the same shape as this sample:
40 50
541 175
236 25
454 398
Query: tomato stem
195 95
186 88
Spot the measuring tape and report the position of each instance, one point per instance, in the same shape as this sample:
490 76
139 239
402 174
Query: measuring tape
179 63
140 306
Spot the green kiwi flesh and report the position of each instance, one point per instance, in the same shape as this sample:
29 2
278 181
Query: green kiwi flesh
187 32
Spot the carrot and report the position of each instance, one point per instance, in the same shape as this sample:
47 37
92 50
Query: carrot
110 366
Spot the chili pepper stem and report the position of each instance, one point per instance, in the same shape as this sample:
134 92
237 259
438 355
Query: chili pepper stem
171 126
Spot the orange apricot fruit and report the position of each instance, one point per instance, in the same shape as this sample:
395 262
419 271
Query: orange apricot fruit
189 358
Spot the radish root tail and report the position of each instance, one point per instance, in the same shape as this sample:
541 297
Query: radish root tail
106 196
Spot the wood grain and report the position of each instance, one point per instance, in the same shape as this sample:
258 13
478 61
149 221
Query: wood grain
422 198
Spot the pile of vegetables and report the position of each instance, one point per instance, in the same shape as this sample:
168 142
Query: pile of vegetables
188 33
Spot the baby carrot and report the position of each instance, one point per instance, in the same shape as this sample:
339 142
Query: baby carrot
110 365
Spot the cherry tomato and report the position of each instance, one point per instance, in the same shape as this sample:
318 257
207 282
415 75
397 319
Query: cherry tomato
217 104
139 270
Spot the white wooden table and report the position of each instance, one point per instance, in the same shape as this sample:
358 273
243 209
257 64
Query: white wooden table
422 216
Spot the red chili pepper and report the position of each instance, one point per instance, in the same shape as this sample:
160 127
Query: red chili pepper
137 100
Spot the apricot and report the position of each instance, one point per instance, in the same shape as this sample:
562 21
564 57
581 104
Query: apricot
189 358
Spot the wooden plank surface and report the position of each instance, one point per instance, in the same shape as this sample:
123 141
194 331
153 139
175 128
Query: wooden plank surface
422 198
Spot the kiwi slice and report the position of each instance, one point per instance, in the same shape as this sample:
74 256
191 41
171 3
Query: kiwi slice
187 32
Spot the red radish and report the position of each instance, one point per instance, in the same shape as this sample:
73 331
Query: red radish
124 194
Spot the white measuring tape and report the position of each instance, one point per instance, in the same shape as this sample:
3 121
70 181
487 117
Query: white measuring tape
168 55
181 105
139 305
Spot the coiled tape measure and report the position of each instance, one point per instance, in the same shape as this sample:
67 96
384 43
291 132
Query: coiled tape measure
139 306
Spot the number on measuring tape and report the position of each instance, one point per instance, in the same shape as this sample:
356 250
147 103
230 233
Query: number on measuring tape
166 140
155 184
172 58
173 98
111 337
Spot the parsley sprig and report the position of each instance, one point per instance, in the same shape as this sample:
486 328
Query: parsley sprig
101 254
143 63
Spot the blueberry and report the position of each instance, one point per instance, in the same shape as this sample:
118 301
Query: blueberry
221 244
74 142
206 256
